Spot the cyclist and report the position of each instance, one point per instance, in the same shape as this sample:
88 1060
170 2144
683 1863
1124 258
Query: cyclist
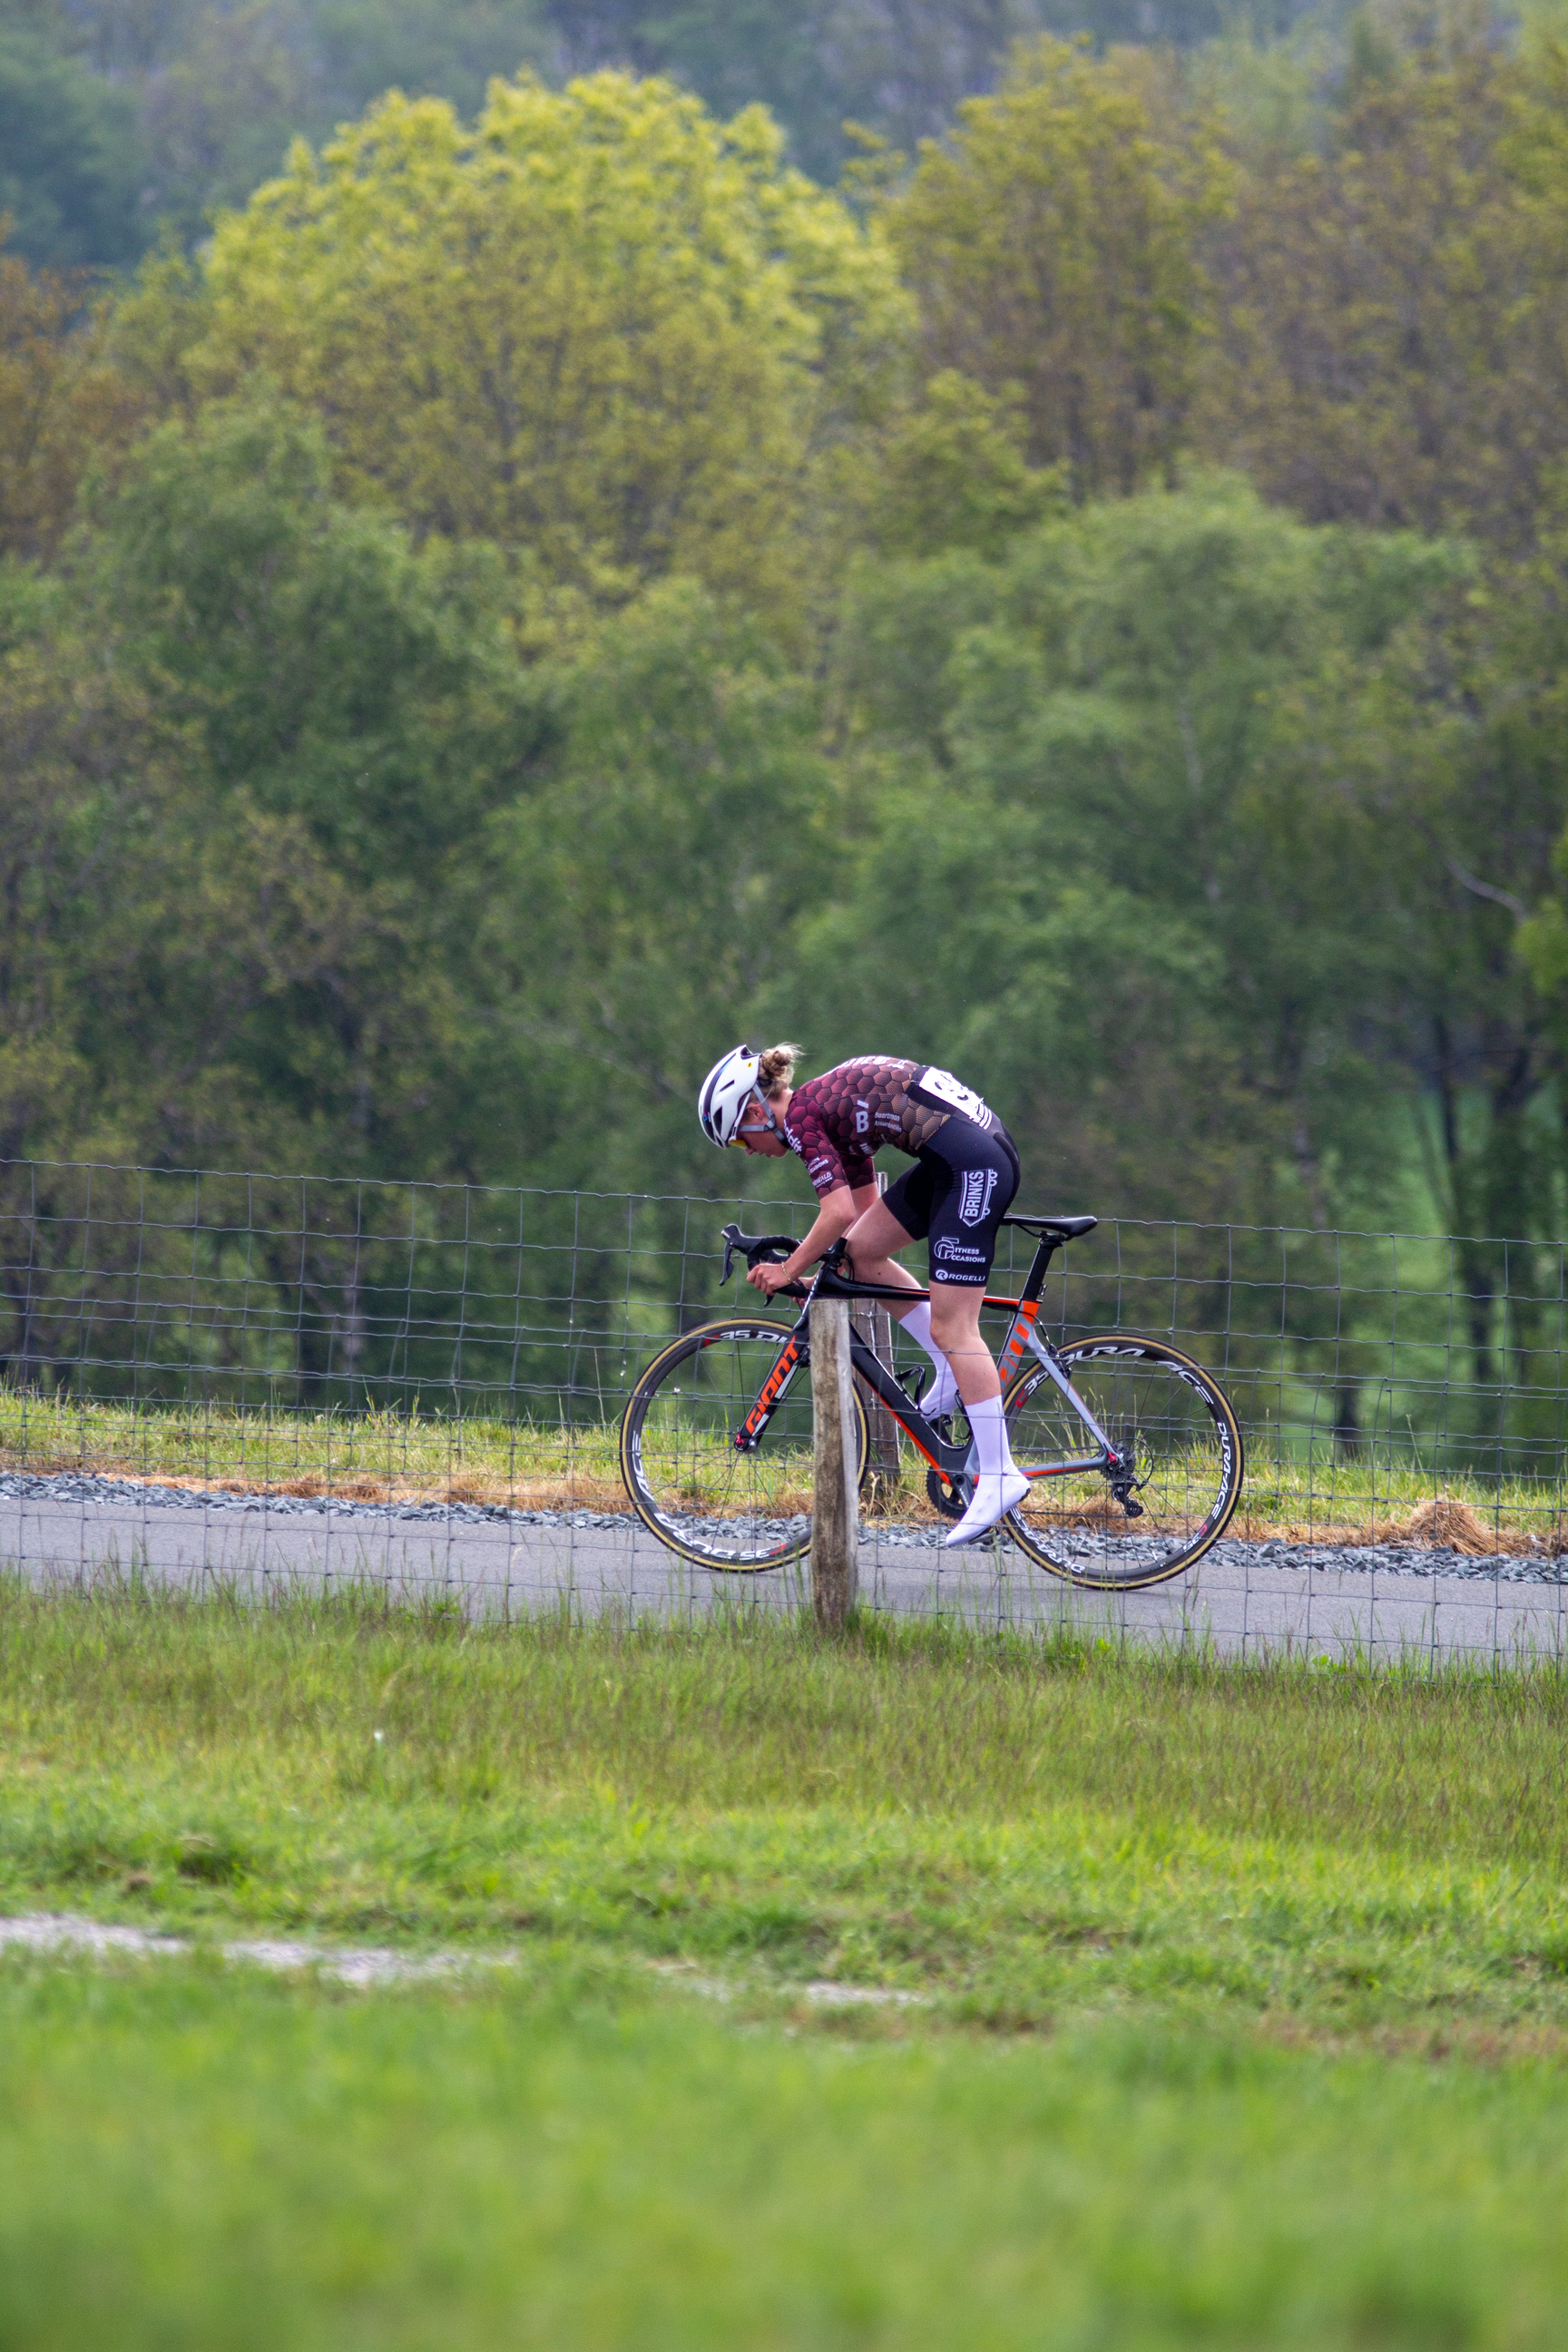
964 1177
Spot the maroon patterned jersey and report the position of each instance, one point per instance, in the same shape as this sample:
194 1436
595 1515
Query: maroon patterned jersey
837 1122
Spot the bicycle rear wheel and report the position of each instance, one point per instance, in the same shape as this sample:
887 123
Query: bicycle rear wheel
719 1508
1187 1456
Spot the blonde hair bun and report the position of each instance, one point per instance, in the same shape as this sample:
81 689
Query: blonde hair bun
776 1067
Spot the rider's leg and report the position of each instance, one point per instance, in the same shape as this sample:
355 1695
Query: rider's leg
955 1327
999 1483
872 1239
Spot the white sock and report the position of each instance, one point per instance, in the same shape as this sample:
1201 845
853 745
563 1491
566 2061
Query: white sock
988 1426
942 1394
999 1483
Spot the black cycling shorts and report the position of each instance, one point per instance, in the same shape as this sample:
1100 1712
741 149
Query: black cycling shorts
962 1185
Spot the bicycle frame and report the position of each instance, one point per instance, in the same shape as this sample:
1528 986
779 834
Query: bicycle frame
950 1461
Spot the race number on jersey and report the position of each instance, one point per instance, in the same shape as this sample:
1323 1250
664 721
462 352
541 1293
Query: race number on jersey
943 1088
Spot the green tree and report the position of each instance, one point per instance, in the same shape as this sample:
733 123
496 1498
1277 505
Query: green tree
901 66
1119 791
220 110
953 474
1394 347
599 329
63 406
73 167
645 898
1484 873
425 48
332 718
1052 247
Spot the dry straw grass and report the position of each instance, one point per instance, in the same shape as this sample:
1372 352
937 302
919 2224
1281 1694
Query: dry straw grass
1442 1522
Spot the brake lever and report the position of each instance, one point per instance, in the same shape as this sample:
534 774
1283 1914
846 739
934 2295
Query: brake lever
753 1248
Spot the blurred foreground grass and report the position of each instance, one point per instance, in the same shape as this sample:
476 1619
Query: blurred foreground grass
1243 1995
572 2161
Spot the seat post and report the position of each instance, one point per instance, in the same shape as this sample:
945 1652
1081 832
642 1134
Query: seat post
1046 1249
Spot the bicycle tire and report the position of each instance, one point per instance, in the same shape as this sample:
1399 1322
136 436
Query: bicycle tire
1187 1441
703 1500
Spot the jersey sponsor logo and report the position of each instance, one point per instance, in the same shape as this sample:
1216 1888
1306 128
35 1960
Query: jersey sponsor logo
945 1089
862 1119
949 1250
974 1195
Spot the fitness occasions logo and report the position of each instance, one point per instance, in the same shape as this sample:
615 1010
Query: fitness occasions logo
974 1199
947 1249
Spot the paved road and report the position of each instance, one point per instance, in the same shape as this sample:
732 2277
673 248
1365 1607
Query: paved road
1243 1604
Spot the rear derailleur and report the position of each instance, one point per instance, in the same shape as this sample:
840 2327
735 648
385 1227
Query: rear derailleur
1124 1482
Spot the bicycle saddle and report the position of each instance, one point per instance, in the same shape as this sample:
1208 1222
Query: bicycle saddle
1060 1229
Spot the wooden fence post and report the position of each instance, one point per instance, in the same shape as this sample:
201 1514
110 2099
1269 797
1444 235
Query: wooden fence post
835 1512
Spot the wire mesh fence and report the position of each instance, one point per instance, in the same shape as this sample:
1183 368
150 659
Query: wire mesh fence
255 1376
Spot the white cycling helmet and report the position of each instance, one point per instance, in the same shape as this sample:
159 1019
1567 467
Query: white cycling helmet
728 1086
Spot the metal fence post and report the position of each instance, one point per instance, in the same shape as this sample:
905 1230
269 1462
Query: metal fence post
835 1515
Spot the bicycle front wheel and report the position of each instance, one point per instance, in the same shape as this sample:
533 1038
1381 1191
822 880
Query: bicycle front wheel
687 1480
1188 1462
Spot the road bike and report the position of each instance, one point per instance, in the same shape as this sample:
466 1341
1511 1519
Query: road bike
1131 1450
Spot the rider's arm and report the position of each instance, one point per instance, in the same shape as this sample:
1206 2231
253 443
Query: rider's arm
838 1212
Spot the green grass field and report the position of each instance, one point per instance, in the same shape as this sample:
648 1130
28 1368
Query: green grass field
1241 2011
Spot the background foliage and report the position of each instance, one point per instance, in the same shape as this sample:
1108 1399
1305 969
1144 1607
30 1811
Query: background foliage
542 586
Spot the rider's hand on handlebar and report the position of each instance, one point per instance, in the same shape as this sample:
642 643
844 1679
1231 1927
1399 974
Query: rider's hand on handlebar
769 1278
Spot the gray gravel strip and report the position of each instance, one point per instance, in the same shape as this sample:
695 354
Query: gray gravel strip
69 1487
1395 1560
83 1487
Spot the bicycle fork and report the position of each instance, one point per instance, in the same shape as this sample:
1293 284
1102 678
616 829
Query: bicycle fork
749 1436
